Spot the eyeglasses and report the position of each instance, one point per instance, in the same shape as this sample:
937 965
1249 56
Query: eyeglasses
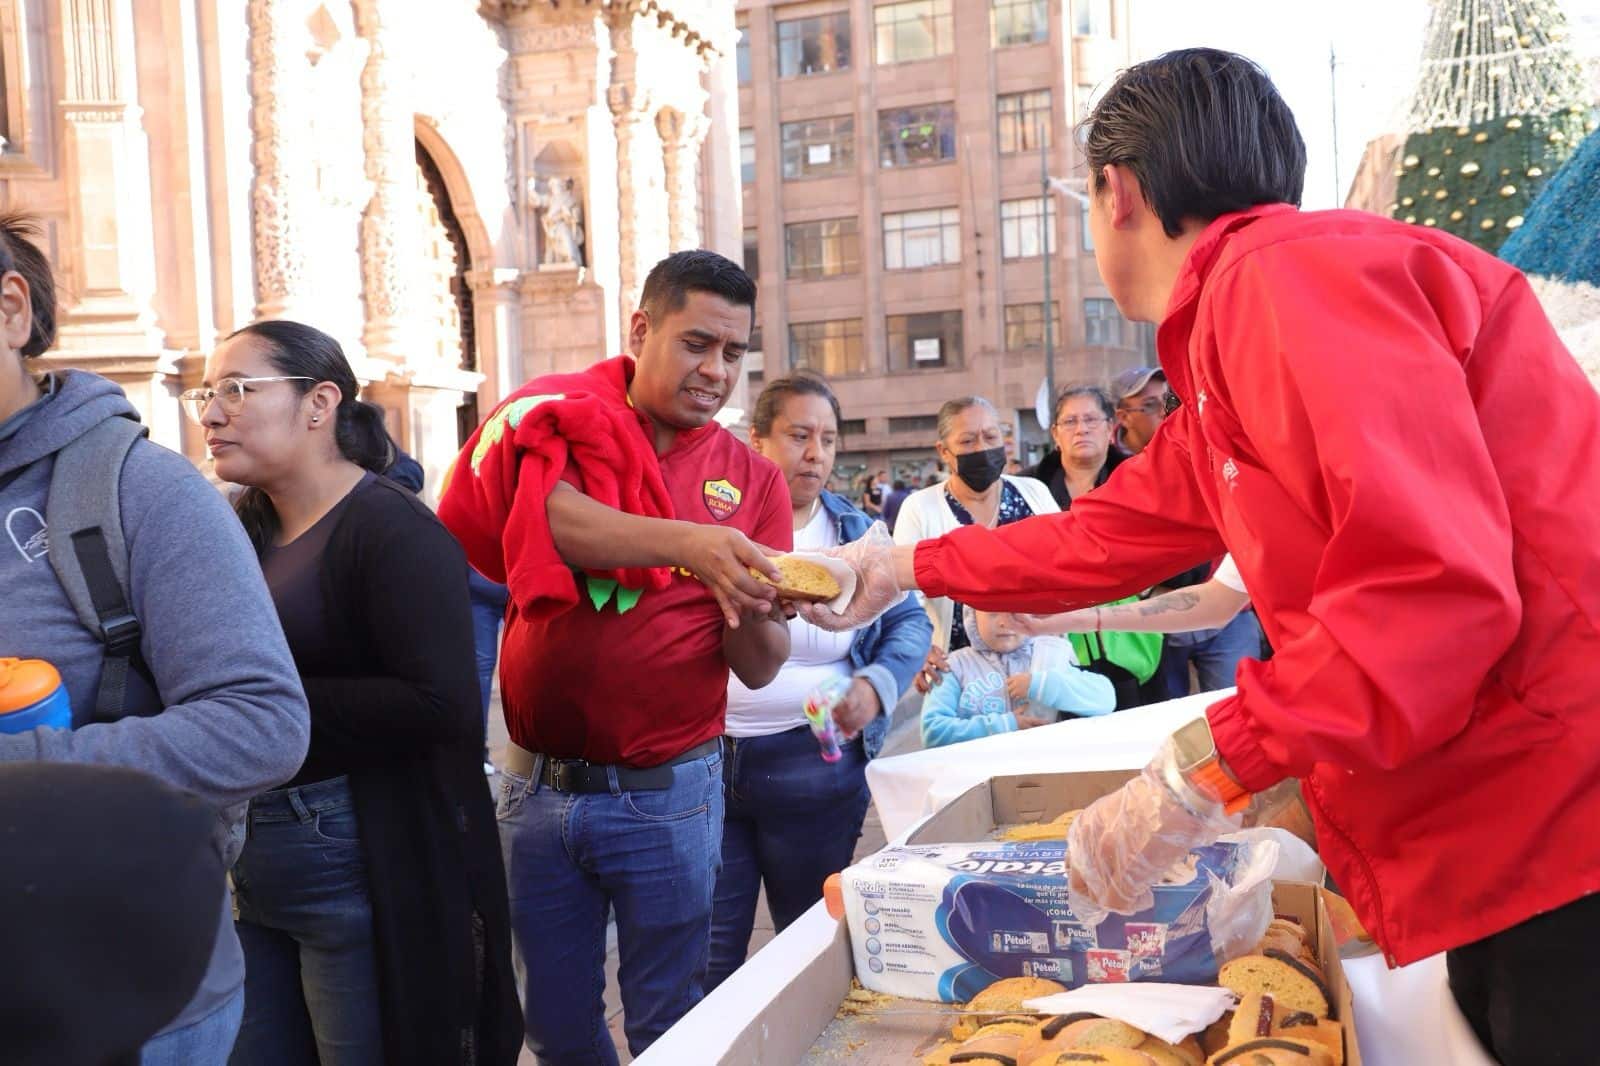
229 392
1071 424
1153 406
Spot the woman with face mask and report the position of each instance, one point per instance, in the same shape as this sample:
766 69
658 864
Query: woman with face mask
972 445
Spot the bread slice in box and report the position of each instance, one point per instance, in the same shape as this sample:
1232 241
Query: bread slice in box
1293 982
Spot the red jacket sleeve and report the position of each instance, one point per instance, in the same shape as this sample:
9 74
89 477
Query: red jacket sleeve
1353 398
1144 524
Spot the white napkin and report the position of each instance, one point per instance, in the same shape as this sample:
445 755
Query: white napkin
842 572
1171 1012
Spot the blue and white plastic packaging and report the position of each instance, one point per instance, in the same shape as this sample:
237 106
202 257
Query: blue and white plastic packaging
942 922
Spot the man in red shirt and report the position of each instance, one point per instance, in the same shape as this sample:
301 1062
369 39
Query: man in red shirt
612 795
1355 401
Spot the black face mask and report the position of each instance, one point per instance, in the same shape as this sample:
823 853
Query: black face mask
981 469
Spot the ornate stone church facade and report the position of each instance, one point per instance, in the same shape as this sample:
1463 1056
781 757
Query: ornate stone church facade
465 193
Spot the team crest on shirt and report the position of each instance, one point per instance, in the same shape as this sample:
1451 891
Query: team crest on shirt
722 498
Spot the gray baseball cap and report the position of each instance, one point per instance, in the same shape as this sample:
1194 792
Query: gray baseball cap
1133 381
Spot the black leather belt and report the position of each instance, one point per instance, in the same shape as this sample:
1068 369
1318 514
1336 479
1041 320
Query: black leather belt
580 775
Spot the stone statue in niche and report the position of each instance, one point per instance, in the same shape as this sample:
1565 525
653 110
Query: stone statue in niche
562 222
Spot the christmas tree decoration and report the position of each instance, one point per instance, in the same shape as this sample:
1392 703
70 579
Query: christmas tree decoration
1558 247
1501 96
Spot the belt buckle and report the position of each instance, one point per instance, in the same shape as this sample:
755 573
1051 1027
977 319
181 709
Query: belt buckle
558 774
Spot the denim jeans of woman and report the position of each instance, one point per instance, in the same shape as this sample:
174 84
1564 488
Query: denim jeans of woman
791 820
305 921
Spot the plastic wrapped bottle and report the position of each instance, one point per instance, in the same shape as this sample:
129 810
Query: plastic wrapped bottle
819 713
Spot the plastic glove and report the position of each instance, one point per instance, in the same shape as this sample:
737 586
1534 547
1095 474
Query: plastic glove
1123 844
871 556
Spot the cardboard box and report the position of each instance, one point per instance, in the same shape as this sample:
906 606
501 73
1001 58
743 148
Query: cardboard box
803 1024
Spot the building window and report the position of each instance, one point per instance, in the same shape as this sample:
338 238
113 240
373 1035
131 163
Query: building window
914 29
853 427
1093 18
1102 323
913 239
755 360
747 155
911 136
1085 95
832 348
819 147
752 252
1025 325
741 55
930 341
816 45
822 249
1027 227
1083 227
1024 121
1020 22
914 424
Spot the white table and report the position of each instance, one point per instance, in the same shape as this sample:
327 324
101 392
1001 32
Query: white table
1404 1017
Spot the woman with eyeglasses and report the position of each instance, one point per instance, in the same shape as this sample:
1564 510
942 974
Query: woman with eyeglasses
972 446
370 892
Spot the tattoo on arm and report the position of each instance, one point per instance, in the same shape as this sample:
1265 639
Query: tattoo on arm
1170 603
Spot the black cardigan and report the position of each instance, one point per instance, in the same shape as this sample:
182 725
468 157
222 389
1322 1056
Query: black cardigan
406 718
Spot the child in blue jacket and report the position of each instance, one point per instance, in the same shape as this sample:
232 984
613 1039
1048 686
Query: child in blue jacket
1006 681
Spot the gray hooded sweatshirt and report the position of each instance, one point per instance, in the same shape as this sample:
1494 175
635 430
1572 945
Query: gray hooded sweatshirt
232 718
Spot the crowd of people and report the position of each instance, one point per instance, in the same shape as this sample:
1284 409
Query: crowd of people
311 666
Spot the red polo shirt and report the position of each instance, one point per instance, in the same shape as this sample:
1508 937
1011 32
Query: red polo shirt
639 687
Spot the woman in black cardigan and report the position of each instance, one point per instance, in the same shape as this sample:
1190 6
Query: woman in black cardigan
371 893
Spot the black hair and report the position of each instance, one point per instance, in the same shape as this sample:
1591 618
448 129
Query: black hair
296 349
670 282
1094 392
19 251
1206 133
800 383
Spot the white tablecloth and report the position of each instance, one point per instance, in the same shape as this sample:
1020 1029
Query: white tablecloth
1404 1017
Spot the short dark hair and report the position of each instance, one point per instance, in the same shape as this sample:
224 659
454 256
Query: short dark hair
1083 388
19 251
1205 132
800 383
672 280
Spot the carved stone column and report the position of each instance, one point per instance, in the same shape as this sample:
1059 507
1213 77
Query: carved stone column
642 239
682 135
275 118
495 321
111 265
388 225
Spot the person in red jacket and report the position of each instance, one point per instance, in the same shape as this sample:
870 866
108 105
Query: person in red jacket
1355 401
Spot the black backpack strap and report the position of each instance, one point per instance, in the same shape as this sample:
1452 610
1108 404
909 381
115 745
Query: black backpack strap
90 556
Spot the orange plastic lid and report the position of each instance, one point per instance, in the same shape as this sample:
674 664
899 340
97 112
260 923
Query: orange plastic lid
833 896
24 682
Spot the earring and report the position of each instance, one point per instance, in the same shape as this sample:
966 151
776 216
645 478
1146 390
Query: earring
315 419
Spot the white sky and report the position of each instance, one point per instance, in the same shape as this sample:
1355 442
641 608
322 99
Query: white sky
1378 44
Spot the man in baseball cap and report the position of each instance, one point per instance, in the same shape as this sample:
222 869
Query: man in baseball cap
1141 395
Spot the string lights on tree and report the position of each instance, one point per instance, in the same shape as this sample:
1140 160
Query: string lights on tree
1501 102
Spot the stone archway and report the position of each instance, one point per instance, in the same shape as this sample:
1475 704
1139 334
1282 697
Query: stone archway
445 310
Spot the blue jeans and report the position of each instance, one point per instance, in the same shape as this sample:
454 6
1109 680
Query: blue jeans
204 1043
1214 652
649 856
488 612
305 921
792 820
